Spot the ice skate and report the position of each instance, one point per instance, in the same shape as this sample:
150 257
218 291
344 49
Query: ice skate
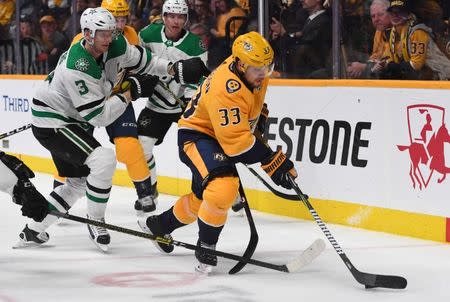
99 235
206 261
30 238
152 226
144 206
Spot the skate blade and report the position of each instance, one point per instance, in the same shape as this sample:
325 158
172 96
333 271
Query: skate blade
307 256
143 225
23 245
102 247
203 269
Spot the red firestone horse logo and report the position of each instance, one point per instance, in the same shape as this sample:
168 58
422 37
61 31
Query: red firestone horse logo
427 135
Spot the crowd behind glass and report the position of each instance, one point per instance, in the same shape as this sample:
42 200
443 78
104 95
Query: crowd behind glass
380 39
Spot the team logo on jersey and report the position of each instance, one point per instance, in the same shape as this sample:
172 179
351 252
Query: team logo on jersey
233 86
220 157
82 64
169 43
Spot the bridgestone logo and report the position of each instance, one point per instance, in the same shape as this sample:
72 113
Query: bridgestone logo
327 233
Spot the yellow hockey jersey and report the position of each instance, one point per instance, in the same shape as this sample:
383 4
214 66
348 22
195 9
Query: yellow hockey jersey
226 109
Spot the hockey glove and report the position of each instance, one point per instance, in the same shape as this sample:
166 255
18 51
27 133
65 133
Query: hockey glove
190 71
16 166
34 205
140 85
278 166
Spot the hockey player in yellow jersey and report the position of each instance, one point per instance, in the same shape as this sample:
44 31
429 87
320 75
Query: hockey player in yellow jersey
216 131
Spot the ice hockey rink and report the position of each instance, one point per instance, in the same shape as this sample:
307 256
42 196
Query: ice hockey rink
70 268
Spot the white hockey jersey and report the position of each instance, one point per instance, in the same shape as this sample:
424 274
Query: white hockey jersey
188 46
79 89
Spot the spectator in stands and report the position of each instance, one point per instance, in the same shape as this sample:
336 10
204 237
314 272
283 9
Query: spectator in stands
219 50
137 22
381 20
308 52
70 29
54 42
7 9
405 63
225 9
155 16
59 9
33 62
201 12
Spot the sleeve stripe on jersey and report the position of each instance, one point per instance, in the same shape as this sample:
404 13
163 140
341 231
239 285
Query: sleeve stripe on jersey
90 105
141 50
121 97
149 59
93 114
163 99
39 103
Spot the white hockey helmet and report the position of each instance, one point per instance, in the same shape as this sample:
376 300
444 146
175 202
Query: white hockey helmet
98 18
175 7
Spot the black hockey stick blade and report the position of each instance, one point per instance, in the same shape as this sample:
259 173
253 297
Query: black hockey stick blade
253 242
272 189
304 258
367 279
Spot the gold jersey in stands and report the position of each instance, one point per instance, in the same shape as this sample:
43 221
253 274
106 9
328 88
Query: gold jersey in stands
226 109
380 44
408 44
128 31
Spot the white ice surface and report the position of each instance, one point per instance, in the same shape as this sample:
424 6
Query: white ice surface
70 268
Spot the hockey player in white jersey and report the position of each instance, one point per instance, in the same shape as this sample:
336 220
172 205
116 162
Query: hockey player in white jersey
77 96
15 181
170 41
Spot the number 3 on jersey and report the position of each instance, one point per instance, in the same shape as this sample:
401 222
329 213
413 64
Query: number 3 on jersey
82 88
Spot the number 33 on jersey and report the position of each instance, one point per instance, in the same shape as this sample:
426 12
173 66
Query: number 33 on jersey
225 108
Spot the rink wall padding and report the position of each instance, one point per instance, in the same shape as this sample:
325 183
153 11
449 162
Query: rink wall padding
354 143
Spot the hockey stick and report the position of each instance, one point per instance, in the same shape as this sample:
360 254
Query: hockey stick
253 242
368 280
272 189
296 264
12 132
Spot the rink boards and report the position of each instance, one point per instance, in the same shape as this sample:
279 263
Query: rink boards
370 154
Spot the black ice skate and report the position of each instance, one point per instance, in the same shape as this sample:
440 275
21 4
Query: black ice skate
145 205
206 261
30 238
153 226
99 235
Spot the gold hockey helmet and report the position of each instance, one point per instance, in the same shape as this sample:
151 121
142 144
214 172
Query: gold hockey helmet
253 50
119 8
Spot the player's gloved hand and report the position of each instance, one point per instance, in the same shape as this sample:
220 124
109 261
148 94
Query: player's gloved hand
190 71
278 166
140 85
34 205
16 166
